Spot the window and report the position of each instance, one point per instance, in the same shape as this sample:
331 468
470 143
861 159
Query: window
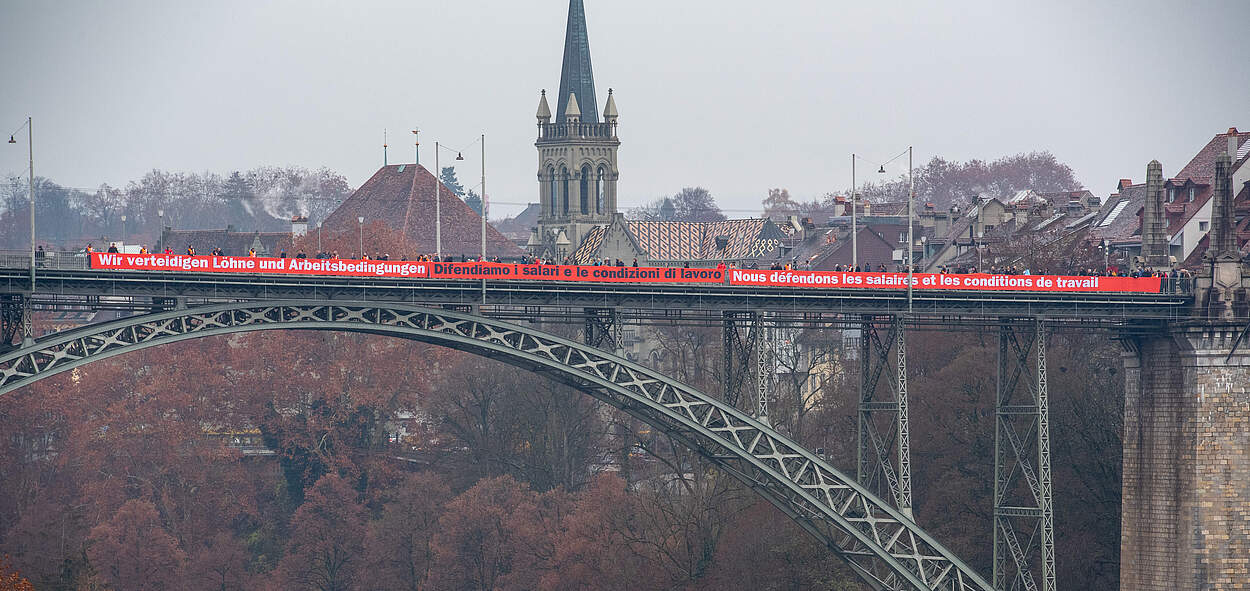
902 236
1191 193
1171 194
1203 226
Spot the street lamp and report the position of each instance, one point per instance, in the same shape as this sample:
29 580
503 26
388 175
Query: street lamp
1106 256
30 145
911 240
318 239
361 221
123 249
438 200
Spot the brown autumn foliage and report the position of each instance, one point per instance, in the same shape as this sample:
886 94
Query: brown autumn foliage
403 465
10 579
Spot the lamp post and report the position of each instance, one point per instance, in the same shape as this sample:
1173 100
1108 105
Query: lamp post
361 220
318 239
30 146
123 248
1106 256
438 200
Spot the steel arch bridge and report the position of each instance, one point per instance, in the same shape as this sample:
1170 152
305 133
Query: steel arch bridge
882 545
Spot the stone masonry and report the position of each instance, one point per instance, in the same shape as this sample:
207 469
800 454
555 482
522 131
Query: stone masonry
1186 498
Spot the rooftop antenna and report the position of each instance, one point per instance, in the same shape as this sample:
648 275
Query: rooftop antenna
417 142
383 146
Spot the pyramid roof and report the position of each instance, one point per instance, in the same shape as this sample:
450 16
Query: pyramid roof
403 196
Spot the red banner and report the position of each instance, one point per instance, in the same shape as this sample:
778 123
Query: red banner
610 274
578 273
212 264
935 281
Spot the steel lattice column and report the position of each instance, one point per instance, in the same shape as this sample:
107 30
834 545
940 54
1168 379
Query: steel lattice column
766 369
738 352
1023 501
889 476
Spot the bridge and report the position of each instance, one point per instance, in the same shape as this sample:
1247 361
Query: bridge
1185 522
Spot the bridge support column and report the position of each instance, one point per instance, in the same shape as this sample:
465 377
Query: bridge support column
16 320
1024 529
1185 518
889 476
603 329
738 352
765 366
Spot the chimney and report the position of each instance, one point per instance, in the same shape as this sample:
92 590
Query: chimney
299 226
1233 139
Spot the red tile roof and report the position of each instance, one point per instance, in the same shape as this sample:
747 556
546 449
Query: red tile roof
1202 167
403 196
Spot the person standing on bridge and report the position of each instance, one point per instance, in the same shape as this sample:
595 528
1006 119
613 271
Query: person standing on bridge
190 250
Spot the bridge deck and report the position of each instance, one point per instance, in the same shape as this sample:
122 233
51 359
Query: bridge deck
521 299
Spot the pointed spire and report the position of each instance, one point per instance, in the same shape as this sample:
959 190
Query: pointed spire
571 110
576 76
544 111
609 110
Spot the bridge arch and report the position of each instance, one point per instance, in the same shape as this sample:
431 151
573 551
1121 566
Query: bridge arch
885 548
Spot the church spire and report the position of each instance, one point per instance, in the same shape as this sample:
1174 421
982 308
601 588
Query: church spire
576 76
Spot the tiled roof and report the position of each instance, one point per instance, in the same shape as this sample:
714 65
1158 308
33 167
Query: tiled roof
687 241
1202 167
403 196
1120 217
889 208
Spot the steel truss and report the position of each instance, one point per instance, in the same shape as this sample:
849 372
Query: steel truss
1024 529
15 319
884 450
604 329
883 546
738 352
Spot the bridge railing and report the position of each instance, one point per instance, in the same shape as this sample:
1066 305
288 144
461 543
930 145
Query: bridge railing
78 260
68 260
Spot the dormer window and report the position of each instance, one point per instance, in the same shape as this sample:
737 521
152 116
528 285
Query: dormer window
1171 194
1191 193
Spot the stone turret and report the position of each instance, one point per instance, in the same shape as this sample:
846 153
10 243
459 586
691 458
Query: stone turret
1154 236
1220 290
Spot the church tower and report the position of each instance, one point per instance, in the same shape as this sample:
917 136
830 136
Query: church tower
576 152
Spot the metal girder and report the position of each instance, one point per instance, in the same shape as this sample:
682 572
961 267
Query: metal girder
1023 495
738 351
16 318
884 450
883 546
603 329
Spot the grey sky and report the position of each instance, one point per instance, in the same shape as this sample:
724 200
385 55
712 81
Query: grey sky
737 96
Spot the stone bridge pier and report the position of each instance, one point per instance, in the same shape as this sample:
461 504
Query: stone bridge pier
1185 520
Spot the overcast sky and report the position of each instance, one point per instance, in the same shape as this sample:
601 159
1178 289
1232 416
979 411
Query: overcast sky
733 95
